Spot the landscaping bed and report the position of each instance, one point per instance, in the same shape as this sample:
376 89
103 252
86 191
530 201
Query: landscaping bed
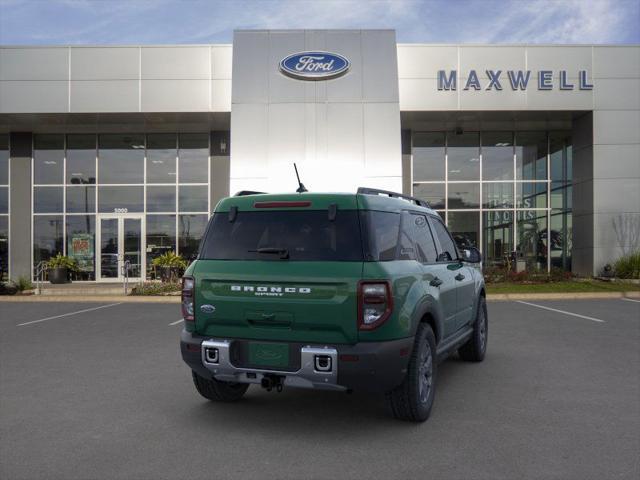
563 286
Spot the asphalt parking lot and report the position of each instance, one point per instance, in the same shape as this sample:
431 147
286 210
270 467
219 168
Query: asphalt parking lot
103 394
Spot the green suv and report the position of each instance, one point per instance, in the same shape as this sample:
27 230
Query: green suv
341 292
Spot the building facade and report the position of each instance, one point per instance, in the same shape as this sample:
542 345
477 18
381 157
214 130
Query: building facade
114 154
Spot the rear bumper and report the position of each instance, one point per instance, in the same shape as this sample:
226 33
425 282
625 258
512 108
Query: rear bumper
365 366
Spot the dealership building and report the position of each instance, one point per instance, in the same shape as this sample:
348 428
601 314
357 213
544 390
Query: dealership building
119 153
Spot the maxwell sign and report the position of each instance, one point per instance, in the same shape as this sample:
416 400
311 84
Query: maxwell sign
314 65
516 79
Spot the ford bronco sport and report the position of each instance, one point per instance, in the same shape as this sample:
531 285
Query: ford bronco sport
343 292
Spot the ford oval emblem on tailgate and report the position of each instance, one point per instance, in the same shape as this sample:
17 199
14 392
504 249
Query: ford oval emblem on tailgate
207 308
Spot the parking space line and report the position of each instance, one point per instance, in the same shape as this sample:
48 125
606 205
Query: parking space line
631 300
562 311
177 322
68 314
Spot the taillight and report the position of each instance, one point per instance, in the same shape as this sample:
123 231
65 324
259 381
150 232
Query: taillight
375 303
188 307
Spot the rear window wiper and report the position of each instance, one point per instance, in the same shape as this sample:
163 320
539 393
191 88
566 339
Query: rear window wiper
283 252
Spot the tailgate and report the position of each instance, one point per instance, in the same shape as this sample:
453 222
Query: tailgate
306 302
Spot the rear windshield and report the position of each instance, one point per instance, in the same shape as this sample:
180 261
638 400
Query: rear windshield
304 236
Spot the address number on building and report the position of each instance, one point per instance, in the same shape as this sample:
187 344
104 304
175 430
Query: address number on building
120 210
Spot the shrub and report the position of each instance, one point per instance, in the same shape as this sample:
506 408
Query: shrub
154 288
23 283
503 274
8 288
628 266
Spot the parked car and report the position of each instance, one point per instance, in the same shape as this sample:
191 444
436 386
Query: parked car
341 292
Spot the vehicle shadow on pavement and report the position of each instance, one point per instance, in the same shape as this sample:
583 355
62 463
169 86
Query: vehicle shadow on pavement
296 411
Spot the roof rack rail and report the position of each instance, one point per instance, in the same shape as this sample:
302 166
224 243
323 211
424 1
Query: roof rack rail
243 193
376 191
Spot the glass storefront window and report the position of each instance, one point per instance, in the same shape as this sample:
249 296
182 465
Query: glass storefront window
161 199
497 195
560 239
193 157
531 155
428 157
81 159
560 156
120 159
4 200
463 156
531 249
432 193
193 198
161 158
4 159
81 199
161 238
515 203
531 195
77 176
497 237
497 155
191 230
465 228
464 195
81 242
47 199
48 159
561 195
132 243
120 199
47 237
4 246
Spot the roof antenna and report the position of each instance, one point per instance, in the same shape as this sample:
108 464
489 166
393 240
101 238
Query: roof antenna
301 188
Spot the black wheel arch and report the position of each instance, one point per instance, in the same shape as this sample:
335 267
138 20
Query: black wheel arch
428 313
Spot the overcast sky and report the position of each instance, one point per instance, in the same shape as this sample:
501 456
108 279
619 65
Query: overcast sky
46 22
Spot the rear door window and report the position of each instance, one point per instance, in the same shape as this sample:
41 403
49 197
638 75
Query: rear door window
305 235
448 250
425 245
406 249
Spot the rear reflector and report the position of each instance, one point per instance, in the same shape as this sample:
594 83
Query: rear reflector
281 204
349 358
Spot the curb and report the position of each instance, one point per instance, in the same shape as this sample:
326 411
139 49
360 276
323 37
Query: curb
561 296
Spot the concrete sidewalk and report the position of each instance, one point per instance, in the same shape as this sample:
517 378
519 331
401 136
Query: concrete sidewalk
176 298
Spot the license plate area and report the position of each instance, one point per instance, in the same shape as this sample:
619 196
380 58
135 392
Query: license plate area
266 355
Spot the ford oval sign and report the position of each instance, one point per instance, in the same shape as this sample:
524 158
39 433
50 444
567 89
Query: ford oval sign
314 65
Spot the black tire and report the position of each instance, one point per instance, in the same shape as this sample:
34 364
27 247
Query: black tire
476 347
217 391
413 398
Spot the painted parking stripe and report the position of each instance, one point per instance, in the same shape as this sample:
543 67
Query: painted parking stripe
69 314
177 322
562 311
631 300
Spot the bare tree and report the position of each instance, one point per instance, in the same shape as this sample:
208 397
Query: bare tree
627 229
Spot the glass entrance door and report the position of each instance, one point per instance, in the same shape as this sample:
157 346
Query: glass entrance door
120 247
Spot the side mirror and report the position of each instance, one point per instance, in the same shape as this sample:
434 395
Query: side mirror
471 255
